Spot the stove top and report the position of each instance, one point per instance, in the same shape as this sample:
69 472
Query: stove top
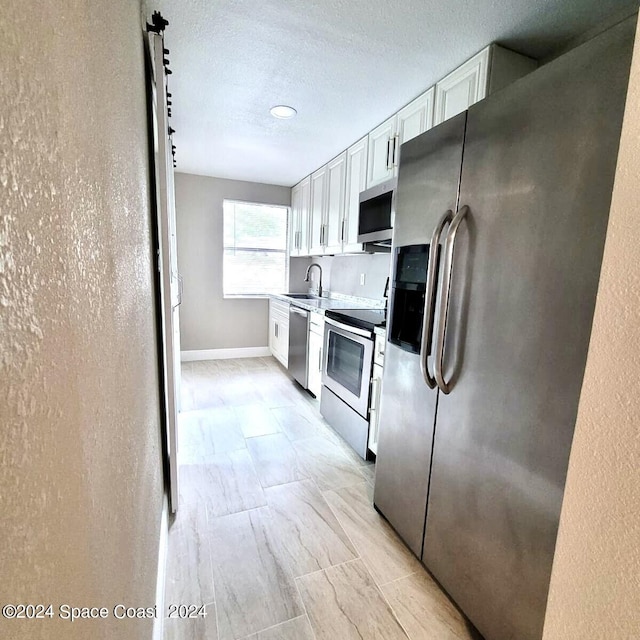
362 318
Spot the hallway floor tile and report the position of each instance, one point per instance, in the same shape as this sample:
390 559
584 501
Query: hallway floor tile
276 531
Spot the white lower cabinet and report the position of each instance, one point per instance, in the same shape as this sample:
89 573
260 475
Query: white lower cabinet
376 389
279 330
315 348
374 412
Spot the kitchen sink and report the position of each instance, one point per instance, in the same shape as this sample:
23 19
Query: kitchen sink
300 296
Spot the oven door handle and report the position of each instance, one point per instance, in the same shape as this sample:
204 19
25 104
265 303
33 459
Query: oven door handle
347 327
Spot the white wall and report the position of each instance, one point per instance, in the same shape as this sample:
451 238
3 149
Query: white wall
81 483
207 319
595 583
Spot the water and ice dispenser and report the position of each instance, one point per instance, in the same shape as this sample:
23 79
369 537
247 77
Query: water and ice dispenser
407 297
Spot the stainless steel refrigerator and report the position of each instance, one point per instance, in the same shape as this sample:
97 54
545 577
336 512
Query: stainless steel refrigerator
501 217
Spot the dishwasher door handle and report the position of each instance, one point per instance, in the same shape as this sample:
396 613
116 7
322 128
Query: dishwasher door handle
299 311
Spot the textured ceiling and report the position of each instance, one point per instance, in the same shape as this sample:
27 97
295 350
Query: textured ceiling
345 65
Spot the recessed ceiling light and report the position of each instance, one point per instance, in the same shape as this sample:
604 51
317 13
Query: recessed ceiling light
282 111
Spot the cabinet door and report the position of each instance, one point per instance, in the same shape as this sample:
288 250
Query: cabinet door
275 338
279 330
374 413
314 378
272 335
318 206
336 177
413 120
463 87
356 181
380 161
294 221
283 339
305 202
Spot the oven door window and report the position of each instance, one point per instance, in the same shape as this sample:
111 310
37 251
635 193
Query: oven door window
345 362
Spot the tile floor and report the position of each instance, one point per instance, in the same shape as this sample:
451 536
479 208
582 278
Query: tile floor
276 532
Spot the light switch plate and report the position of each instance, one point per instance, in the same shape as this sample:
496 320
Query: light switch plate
362 278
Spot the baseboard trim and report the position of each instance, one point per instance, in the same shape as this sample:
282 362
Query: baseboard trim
163 547
224 354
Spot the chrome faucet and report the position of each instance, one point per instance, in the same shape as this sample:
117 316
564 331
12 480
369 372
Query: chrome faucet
306 278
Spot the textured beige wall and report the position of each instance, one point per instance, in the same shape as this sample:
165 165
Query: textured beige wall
80 473
207 320
595 584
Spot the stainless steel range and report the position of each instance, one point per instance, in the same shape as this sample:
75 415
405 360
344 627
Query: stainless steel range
346 374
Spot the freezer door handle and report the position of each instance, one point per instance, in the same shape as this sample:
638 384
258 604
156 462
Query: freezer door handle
449 249
430 297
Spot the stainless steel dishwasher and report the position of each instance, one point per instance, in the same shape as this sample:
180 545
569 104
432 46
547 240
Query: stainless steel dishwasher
298 337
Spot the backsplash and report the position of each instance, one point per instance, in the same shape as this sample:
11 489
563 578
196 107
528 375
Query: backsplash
341 274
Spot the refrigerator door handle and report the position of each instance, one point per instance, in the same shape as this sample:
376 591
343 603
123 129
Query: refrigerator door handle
449 248
430 298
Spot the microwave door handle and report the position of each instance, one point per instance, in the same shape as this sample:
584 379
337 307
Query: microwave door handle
430 298
449 249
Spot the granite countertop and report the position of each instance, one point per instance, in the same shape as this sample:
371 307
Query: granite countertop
332 301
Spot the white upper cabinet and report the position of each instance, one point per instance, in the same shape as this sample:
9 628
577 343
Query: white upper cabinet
381 151
305 207
463 87
293 220
334 202
488 71
385 140
317 212
333 225
299 222
416 117
325 205
355 183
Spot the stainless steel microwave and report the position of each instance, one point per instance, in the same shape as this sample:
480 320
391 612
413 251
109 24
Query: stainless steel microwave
376 213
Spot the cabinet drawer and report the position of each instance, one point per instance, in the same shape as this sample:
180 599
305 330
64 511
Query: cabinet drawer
316 323
278 306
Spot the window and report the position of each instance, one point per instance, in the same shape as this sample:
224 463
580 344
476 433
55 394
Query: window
255 249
